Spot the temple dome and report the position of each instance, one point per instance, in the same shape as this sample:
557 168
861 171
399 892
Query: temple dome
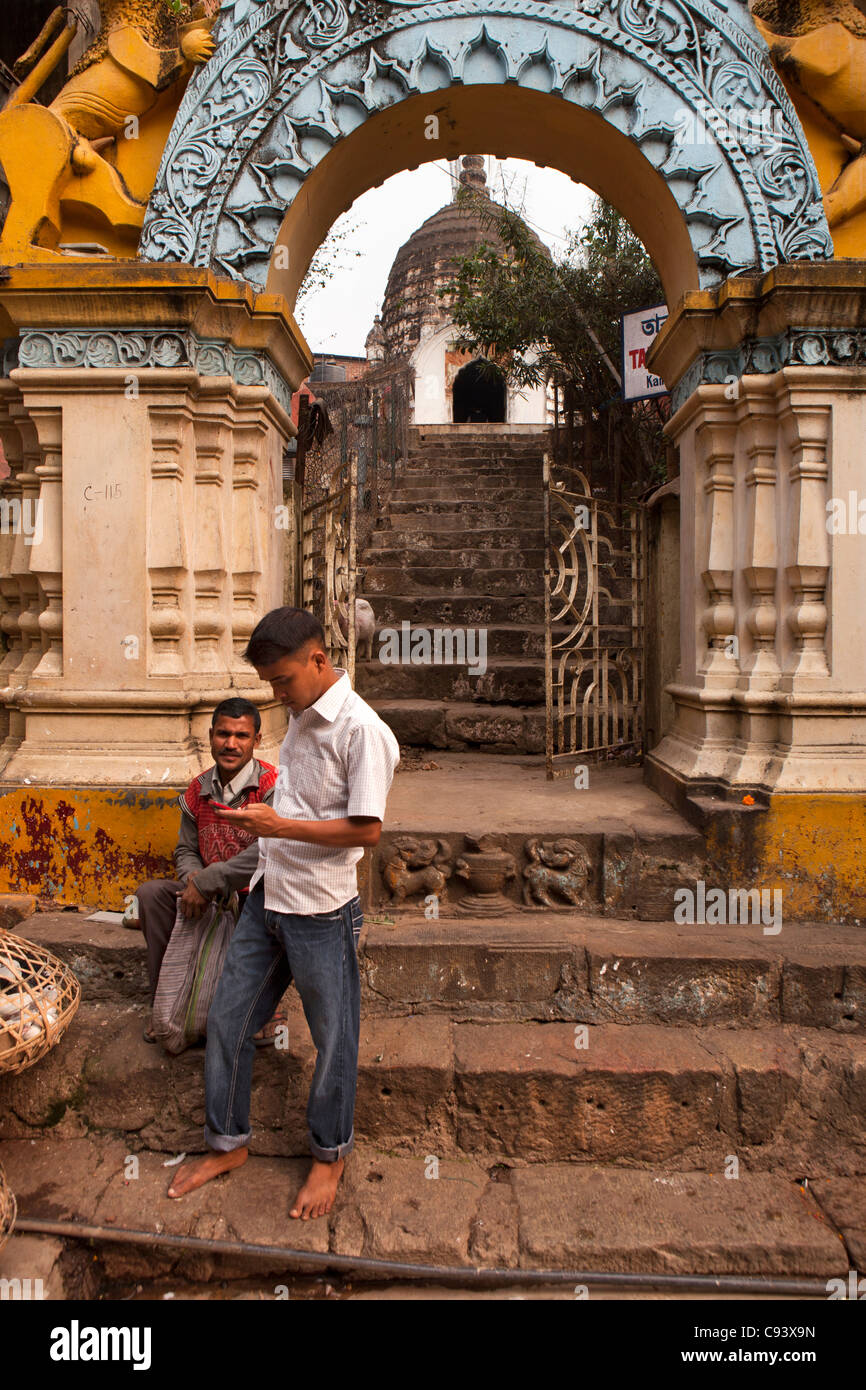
411 308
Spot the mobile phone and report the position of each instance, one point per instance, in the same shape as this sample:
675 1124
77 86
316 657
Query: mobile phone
221 806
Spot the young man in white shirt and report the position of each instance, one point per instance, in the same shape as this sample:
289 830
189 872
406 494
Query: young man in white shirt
303 916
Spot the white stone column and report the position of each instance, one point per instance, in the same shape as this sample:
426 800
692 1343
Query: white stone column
170 411
167 545
715 440
757 415
806 423
46 558
769 378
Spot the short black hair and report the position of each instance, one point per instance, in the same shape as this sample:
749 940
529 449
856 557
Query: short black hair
281 633
237 708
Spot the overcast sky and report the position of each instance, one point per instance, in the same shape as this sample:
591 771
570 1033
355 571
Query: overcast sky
338 318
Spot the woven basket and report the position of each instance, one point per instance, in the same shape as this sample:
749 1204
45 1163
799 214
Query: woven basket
38 998
8 1209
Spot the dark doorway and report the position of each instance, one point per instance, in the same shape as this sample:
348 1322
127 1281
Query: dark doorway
479 395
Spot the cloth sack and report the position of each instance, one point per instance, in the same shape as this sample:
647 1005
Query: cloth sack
191 968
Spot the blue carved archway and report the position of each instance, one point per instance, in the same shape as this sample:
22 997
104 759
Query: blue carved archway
686 82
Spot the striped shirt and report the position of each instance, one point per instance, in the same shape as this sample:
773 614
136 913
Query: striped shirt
337 759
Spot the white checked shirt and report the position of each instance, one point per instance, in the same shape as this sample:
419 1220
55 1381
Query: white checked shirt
337 759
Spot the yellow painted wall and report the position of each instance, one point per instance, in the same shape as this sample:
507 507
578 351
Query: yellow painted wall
812 847
86 846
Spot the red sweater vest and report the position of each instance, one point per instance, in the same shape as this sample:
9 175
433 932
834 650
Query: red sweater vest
217 840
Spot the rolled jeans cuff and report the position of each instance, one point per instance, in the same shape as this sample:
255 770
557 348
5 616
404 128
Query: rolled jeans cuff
331 1155
225 1143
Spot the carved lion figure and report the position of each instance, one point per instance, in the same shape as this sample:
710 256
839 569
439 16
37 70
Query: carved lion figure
142 48
417 864
559 866
82 170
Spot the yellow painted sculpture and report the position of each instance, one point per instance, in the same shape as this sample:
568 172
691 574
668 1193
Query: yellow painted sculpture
80 172
819 50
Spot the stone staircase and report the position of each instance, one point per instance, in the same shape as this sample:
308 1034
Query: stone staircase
460 543
588 1090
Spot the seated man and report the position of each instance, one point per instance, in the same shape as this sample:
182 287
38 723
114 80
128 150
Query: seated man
212 859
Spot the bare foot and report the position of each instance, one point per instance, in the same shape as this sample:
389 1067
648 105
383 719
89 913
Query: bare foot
316 1197
193 1175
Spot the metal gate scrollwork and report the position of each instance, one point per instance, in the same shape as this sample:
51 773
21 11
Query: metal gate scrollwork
594 579
329 563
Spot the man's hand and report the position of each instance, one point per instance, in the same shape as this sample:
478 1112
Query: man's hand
192 904
256 819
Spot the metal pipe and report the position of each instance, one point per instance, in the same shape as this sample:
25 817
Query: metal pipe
470 1275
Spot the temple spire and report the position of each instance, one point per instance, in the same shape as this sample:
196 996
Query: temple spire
472 174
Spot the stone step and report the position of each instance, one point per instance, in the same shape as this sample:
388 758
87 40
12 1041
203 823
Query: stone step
446 490
468 470
549 966
779 1097
466 445
506 681
455 1212
480 581
527 556
467 610
457 538
503 639
484 728
455 515
590 970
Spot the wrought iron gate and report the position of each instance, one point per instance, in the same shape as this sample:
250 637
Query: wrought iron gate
328 562
594 579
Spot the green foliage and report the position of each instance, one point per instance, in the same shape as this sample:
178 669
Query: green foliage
546 319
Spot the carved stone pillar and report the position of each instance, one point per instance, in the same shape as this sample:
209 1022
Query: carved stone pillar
10 588
209 620
32 598
806 424
760 431
170 394
248 442
46 560
715 439
783 751
167 550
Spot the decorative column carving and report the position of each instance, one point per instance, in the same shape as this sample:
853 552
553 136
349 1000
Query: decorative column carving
10 586
715 438
248 440
32 600
209 621
760 431
806 425
46 559
167 546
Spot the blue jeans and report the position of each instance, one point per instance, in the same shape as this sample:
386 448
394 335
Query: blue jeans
268 950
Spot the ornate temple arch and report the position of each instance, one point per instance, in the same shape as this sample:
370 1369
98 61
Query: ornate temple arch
669 108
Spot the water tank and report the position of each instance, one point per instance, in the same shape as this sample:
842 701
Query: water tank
326 369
